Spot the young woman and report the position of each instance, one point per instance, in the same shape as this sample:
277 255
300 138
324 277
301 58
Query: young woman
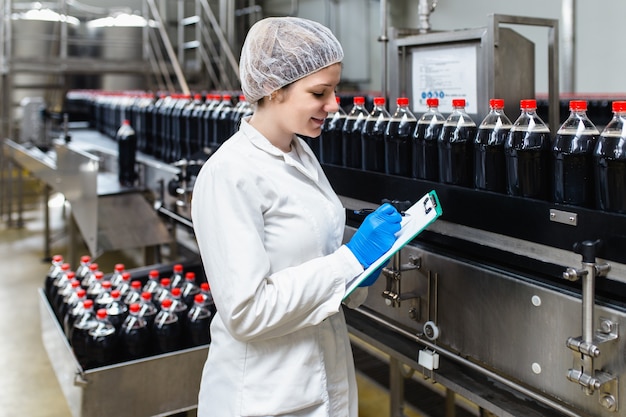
270 230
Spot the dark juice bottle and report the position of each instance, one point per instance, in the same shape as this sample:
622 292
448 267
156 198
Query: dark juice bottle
527 154
425 138
351 134
102 344
198 321
127 154
79 334
572 158
489 165
373 137
134 335
455 148
398 140
167 329
331 137
223 124
610 162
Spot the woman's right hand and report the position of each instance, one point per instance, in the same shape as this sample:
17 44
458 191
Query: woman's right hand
376 234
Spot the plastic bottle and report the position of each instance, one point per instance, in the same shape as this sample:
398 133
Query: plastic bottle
189 289
223 124
455 147
398 138
373 137
116 309
242 109
610 162
104 297
79 335
95 288
124 285
331 136
527 154
116 276
134 335
90 276
134 295
102 345
74 310
213 118
208 121
198 323
153 147
51 276
153 282
425 142
178 306
147 309
127 154
83 268
177 278
205 290
489 165
195 128
63 297
167 329
163 292
351 134
572 158
189 126
60 282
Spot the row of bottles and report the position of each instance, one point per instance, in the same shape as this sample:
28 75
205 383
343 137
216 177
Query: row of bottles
115 318
578 166
171 127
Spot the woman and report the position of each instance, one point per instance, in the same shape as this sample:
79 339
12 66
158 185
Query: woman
269 228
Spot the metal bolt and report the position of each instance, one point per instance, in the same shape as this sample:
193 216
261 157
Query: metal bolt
606 326
413 313
608 402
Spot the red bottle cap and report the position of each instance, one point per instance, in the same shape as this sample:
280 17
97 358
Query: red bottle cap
119 267
496 103
146 295
115 294
81 293
167 303
176 291
379 101
190 276
205 286
65 267
126 276
106 285
165 282
136 284
458 102
178 268
88 303
154 274
199 298
619 106
57 258
578 105
402 101
528 104
134 308
359 100
102 313
93 266
432 102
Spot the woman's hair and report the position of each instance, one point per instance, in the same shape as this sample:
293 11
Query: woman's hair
280 50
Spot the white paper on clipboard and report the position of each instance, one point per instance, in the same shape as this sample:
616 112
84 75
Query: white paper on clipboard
416 218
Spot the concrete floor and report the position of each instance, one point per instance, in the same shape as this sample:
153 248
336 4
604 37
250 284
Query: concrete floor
28 384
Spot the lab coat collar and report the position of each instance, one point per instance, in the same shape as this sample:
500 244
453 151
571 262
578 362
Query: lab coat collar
307 167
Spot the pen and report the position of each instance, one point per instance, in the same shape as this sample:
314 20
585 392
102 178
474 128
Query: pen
366 211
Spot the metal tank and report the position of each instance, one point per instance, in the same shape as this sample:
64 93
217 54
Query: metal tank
37 37
118 37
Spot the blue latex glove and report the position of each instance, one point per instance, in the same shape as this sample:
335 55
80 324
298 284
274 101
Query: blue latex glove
376 235
373 277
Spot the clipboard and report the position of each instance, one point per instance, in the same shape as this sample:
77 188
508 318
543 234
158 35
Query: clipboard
417 218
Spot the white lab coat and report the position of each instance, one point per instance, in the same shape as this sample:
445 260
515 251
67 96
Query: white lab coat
269 230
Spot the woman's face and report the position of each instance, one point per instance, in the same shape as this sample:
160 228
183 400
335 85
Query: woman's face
305 103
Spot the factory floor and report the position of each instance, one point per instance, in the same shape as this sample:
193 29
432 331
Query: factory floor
28 384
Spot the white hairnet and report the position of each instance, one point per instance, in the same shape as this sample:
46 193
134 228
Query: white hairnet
280 50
